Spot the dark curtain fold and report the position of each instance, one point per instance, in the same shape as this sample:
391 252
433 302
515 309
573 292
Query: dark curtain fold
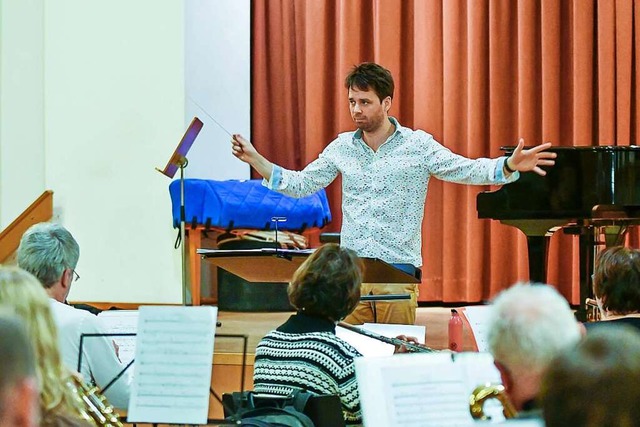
476 74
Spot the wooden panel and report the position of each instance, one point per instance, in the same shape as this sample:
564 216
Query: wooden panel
40 210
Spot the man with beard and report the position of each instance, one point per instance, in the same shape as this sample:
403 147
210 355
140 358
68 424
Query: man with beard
385 171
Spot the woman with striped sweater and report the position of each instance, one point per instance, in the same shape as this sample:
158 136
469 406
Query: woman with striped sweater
305 352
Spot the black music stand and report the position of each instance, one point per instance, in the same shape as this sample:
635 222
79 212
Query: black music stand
273 265
80 352
178 160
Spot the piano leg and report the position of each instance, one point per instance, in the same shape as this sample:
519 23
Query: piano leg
587 244
538 248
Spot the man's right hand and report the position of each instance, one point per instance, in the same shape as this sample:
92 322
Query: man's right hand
242 148
245 151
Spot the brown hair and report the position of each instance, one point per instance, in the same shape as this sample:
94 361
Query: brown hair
597 383
616 279
327 284
369 75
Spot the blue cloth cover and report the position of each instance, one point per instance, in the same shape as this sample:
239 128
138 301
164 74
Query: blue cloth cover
246 204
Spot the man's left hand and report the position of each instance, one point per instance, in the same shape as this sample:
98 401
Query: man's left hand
530 160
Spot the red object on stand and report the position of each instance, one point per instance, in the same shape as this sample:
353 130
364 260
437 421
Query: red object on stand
455 331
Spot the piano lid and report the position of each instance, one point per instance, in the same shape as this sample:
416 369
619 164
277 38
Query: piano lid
582 178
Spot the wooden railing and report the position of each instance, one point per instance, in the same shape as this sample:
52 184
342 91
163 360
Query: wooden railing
39 211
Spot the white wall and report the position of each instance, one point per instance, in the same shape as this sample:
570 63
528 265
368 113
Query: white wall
114 103
114 108
22 177
218 89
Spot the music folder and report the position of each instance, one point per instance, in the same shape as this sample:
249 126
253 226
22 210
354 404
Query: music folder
425 389
273 265
180 152
174 350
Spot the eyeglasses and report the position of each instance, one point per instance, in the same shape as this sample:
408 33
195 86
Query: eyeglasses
76 276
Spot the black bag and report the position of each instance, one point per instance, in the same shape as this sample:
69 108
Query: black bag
260 411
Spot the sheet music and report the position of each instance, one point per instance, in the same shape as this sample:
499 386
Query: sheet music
423 390
371 347
174 355
477 316
122 322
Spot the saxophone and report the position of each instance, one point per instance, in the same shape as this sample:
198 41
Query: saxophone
490 391
94 406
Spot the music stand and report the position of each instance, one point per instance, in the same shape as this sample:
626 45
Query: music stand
178 160
96 335
278 265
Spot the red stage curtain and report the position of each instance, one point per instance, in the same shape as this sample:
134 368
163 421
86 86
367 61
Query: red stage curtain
476 74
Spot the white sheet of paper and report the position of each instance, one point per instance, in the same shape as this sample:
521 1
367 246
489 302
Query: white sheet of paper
371 347
477 315
174 354
424 389
122 322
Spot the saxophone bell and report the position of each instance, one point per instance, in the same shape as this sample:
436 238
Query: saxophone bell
490 391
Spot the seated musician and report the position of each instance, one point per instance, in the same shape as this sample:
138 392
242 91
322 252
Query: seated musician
596 383
616 286
19 395
21 293
528 326
49 252
305 352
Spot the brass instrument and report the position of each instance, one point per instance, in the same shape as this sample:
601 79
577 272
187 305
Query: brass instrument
397 342
95 408
490 391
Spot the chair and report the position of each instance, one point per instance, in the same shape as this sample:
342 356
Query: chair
324 410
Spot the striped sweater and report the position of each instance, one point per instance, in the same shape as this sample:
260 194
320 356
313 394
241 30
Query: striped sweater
305 353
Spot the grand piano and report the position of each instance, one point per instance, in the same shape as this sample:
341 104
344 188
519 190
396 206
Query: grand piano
591 191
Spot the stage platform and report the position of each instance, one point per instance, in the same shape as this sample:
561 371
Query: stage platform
228 357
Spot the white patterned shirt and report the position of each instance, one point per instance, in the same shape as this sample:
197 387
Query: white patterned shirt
384 191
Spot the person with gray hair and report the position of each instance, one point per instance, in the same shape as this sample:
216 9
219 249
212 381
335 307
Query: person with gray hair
48 251
19 394
528 326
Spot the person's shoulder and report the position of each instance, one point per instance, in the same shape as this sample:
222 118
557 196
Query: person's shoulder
418 135
83 319
342 143
630 321
344 138
68 310
343 346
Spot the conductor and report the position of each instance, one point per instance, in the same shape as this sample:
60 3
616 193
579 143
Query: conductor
385 170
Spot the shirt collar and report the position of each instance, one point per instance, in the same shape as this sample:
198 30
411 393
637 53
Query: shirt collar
301 323
358 133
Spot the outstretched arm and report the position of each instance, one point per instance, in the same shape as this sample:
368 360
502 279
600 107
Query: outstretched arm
530 160
245 151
